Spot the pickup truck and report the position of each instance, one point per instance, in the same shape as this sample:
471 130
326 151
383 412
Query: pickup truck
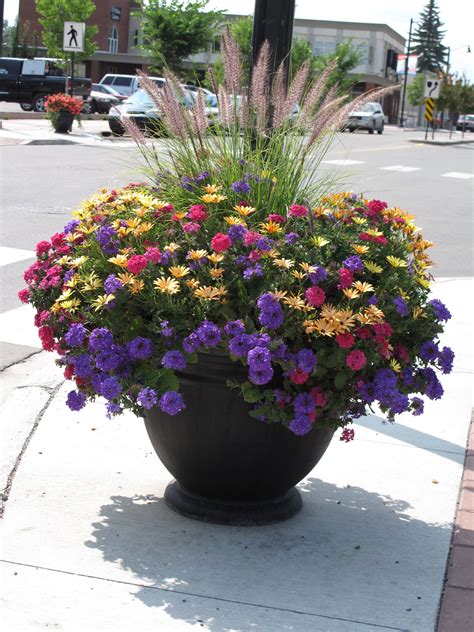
29 81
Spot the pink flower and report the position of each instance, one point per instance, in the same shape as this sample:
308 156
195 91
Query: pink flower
251 237
153 255
401 353
364 332
221 242
382 329
197 212
356 360
42 248
57 239
278 219
255 255
69 372
167 208
298 377
41 317
347 435
345 341
345 278
191 227
375 207
318 396
46 335
315 296
297 210
24 295
137 263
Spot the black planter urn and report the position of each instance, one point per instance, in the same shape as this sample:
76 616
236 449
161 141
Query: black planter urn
230 468
63 122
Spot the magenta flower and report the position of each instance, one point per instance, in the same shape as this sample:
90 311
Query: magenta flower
356 360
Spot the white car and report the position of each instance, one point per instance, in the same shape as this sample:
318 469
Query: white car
370 117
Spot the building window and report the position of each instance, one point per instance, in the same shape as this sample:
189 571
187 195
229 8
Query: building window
113 40
135 39
323 48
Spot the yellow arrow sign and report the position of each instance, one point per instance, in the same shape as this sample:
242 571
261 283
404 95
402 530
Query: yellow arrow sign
429 108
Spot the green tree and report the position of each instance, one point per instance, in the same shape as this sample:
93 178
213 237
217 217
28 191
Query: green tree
11 39
427 40
347 58
172 30
53 15
457 96
415 90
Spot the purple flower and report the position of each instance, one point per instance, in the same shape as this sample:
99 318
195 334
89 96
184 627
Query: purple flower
140 348
255 270
106 237
191 343
112 284
76 400
171 403
400 306
303 404
166 330
68 276
240 345
417 405
306 360
100 338
271 315
372 300
300 425
261 340
354 264
187 183
113 409
71 226
110 388
241 186
261 375
264 243
202 176
445 359
147 397
166 257
399 403
429 351
290 238
434 390
279 353
440 310
367 392
174 360
236 232
407 376
234 327
258 358
318 275
209 334
75 335
109 359
83 366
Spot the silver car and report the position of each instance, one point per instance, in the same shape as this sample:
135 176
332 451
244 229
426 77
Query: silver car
370 117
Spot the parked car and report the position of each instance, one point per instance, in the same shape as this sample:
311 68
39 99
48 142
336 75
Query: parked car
30 81
370 117
101 99
141 108
127 84
465 123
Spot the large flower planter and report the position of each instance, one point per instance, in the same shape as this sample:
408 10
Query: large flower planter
63 122
230 468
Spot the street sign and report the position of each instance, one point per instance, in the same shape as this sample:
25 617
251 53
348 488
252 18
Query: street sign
429 108
73 37
432 88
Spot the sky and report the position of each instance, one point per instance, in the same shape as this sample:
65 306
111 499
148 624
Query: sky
455 14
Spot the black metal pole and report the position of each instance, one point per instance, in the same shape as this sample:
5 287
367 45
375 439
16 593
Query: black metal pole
273 21
406 74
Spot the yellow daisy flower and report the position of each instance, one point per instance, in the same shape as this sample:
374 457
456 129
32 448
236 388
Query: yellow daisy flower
119 260
166 285
359 220
284 263
319 242
295 302
102 301
213 198
181 214
308 268
301 276
71 306
373 267
208 293
395 365
373 232
195 255
160 205
91 282
279 294
179 271
192 283
245 211
215 257
136 286
361 250
363 287
233 220
350 293
216 273
171 247
271 228
125 277
78 261
133 222
396 262
213 188
418 313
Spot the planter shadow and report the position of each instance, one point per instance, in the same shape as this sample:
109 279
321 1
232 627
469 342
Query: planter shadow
350 559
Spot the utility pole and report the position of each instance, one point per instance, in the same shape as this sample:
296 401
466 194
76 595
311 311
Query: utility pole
1 32
273 21
406 74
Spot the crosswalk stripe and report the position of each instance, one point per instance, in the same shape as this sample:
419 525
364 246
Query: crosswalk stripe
17 327
400 168
457 174
344 162
12 255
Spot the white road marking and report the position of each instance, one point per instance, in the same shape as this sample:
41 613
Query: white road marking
17 327
344 162
400 168
12 255
457 174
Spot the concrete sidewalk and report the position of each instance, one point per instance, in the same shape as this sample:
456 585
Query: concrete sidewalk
88 543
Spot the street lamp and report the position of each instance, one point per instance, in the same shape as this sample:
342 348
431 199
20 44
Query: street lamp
406 75
467 46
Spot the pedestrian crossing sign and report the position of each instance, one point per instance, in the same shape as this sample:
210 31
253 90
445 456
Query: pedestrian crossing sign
73 37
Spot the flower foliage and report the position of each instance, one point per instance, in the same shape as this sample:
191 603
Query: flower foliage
328 306
60 101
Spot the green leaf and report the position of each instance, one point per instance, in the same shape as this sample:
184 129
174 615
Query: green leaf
251 393
340 380
168 381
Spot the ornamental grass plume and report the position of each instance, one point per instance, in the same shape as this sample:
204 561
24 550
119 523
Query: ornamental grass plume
231 248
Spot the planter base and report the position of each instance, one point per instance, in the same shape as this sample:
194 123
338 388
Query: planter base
237 513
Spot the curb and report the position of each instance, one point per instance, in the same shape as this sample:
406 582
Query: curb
440 142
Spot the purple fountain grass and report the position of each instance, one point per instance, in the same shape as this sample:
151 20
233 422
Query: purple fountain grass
199 119
259 86
133 130
231 59
296 89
